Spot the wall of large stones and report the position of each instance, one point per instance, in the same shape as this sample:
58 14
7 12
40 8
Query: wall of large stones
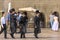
1 4
45 6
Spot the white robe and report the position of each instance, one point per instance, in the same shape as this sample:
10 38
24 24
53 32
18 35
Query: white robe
55 25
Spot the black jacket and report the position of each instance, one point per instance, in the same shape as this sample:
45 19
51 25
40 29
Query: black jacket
23 20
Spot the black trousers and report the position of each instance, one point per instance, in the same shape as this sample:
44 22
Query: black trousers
5 30
22 30
12 28
15 27
36 32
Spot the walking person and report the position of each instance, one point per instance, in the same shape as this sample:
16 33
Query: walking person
10 20
22 23
18 18
3 24
51 19
37 29
55 25
26 20
15 19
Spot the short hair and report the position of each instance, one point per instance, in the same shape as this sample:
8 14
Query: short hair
3 13
25 13
55 13
18 12
11 10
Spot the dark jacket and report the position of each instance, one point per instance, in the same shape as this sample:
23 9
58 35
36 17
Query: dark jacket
37 24
23 20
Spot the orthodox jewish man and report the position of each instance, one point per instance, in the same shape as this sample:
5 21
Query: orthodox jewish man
37 24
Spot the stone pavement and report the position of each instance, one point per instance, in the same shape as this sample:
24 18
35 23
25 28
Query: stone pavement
46 34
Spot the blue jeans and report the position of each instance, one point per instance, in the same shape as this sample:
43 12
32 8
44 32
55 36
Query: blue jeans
51 23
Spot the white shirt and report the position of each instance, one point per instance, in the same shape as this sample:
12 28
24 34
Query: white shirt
3 21
20 15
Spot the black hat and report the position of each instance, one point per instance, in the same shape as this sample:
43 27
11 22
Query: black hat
11 10
37 11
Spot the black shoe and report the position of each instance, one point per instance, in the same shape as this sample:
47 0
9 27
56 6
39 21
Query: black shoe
24 37
5 37
36 37
12 36
21 37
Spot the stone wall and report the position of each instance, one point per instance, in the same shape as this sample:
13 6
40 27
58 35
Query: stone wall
1 4
45 6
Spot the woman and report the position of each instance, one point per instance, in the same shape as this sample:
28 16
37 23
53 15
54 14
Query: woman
55 25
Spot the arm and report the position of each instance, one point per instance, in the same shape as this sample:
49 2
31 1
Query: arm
7 19
35 23
1 22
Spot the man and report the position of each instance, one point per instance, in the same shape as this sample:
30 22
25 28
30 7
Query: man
12 19
18 19
12 22
36 24
51 20
23 25
3 24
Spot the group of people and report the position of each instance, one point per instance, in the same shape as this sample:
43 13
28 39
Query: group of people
54 21
13 19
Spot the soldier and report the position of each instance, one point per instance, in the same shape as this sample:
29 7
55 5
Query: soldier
36 24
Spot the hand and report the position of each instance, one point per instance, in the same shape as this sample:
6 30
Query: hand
2 27
35 27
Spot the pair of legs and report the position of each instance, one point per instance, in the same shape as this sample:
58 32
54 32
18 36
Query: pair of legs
22 30
13 29
5 31
51 24
22 35
36 33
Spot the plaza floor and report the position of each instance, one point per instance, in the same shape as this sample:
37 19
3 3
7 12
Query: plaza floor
46 34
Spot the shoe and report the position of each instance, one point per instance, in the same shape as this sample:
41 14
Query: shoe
5 37
36 37
24 37
12 36
20 37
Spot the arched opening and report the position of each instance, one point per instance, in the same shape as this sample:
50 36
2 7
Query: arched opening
42 18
